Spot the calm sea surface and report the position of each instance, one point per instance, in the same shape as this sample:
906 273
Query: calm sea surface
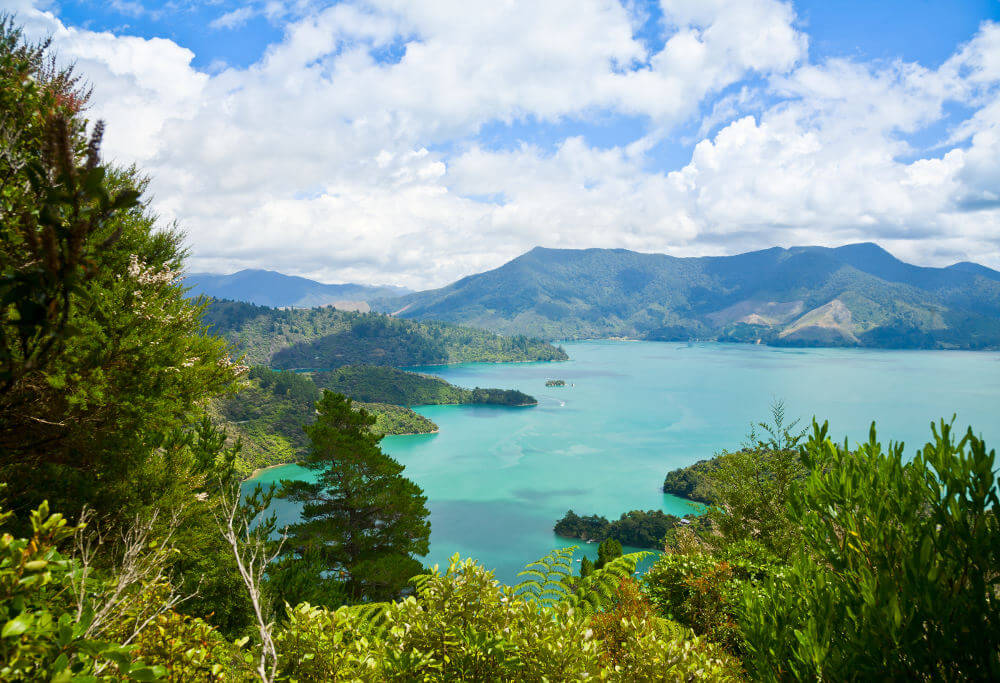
497 479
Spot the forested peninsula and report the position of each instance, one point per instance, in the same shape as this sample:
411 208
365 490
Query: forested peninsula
693 481
391 385
272 408
353 354
269 414
326 338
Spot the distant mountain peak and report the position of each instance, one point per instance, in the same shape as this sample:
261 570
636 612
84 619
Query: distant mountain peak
271 288
579 293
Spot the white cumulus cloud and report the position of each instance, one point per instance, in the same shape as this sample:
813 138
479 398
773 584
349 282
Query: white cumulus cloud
321 159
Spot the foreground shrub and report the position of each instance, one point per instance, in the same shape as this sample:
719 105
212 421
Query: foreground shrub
702 588
898 576
464 625
42 636
638 644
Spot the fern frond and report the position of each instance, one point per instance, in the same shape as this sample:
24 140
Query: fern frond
371 617
420 583
595 592
546 576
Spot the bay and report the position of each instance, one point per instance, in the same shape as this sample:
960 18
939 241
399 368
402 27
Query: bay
498 478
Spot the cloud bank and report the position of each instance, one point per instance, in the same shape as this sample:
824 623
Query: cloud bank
353 149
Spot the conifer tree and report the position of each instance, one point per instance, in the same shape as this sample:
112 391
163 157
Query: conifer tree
360 515
608 550
586 567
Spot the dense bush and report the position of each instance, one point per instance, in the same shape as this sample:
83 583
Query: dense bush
897 575
463 625
702 588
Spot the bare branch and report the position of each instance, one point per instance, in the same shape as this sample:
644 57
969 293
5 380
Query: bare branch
139 567
253 551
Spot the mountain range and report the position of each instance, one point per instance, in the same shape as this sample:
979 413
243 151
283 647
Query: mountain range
855 295
269 288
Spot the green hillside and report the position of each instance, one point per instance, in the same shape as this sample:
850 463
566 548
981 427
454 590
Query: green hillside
857 295
269 414
390 385
325 338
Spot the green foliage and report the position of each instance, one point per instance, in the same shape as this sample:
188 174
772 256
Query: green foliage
102 359
464 625
587 293
55 206
304 577
186 648
897 575
550 581
41 637
546 576
637 528
607 551
325 338
692 482
638 644
702 588
389 385
753 486
361 515
105 367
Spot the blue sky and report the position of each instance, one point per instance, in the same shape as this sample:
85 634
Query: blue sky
922 30
417 141
925 31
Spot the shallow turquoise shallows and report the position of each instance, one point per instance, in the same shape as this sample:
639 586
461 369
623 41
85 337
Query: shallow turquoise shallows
497 479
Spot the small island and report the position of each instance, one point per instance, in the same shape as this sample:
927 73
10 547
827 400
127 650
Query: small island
555 382
637 528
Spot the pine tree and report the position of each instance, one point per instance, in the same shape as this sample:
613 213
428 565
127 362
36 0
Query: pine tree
608 550
586 567
361 516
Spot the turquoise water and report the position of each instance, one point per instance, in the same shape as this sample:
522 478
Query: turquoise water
497 478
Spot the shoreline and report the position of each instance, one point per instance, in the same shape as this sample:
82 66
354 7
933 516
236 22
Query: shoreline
409 368
260 470
436 431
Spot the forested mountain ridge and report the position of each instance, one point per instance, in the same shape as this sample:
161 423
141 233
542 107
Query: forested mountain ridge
269 288
326 338
856 295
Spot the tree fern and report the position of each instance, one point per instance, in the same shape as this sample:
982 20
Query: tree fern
420 582
545 580
369 618
548 580
593 593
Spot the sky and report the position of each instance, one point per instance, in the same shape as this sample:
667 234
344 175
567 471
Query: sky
413 142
